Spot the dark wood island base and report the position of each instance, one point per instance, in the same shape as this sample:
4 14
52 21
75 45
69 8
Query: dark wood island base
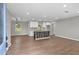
41 35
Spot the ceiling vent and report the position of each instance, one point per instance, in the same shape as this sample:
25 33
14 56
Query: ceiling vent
66 11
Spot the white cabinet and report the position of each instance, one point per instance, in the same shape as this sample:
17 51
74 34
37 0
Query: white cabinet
33 24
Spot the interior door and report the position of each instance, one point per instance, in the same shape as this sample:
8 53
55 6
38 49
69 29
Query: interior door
2 28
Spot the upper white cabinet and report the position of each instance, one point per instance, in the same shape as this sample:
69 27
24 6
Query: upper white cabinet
33 24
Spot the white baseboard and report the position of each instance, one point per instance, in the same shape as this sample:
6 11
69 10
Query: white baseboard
67 37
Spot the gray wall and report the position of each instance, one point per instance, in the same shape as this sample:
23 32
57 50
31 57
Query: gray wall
68 28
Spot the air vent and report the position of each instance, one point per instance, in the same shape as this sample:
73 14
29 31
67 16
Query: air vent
66 11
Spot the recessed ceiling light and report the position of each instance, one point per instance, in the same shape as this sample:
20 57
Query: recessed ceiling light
28 13
65 5
33 19
45 16
77 11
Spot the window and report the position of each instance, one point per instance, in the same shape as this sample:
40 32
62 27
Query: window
18 27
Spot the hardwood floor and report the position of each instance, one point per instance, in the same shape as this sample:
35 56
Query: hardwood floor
25 45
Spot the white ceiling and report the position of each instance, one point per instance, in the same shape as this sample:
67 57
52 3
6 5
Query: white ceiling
43 11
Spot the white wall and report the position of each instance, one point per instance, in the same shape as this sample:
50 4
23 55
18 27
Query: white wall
9 18
13 28
24 28
68 28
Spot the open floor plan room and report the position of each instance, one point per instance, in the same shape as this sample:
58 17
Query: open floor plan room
39 28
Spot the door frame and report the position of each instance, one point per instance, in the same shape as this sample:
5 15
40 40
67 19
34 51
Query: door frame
3 45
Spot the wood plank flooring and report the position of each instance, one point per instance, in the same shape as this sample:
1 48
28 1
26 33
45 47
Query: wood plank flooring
25 45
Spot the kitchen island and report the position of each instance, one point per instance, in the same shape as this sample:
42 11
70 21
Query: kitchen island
41 35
